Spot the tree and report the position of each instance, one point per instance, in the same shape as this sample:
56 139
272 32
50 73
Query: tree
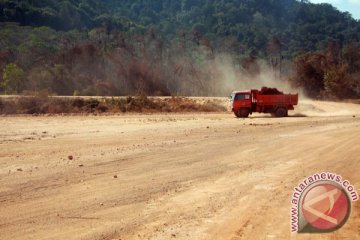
310 69
274 53
338 82
13 77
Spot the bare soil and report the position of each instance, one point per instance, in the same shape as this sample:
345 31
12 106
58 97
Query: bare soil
170 176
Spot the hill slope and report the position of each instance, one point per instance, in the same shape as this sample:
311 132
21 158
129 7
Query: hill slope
169 47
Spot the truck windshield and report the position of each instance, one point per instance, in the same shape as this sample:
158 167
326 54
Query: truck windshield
240 97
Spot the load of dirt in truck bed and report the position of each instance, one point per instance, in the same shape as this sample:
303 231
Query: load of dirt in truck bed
270 91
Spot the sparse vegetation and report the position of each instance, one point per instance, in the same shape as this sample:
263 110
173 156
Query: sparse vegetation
77 105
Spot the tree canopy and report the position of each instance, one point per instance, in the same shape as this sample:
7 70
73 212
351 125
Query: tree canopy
301 26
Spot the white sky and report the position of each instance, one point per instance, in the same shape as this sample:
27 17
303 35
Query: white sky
351 6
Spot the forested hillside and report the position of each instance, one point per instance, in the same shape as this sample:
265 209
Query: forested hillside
185 47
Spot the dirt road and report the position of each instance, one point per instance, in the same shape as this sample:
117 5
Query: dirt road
177 176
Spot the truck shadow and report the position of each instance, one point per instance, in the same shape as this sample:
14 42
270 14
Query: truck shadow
296 115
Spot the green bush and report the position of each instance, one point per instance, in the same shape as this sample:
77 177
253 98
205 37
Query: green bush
13 77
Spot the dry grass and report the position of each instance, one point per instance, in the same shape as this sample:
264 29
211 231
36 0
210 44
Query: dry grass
63 105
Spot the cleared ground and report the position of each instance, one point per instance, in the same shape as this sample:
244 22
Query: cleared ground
170 176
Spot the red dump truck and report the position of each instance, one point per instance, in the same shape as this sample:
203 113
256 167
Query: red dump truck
266 100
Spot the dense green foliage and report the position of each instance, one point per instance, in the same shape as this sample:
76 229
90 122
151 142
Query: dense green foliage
299 25
117 47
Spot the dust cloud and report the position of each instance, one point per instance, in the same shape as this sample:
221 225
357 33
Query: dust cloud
231 76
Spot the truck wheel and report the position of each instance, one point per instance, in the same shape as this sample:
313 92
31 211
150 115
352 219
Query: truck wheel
242 113
281 112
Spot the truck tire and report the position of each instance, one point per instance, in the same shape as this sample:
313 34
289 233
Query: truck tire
281 112
242 113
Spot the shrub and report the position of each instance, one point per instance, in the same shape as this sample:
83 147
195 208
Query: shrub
13 77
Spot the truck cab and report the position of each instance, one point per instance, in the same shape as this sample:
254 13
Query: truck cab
241 103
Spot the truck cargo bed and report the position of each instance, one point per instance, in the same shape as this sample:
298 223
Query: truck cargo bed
278 100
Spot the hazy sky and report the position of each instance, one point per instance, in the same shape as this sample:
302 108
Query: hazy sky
351 6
